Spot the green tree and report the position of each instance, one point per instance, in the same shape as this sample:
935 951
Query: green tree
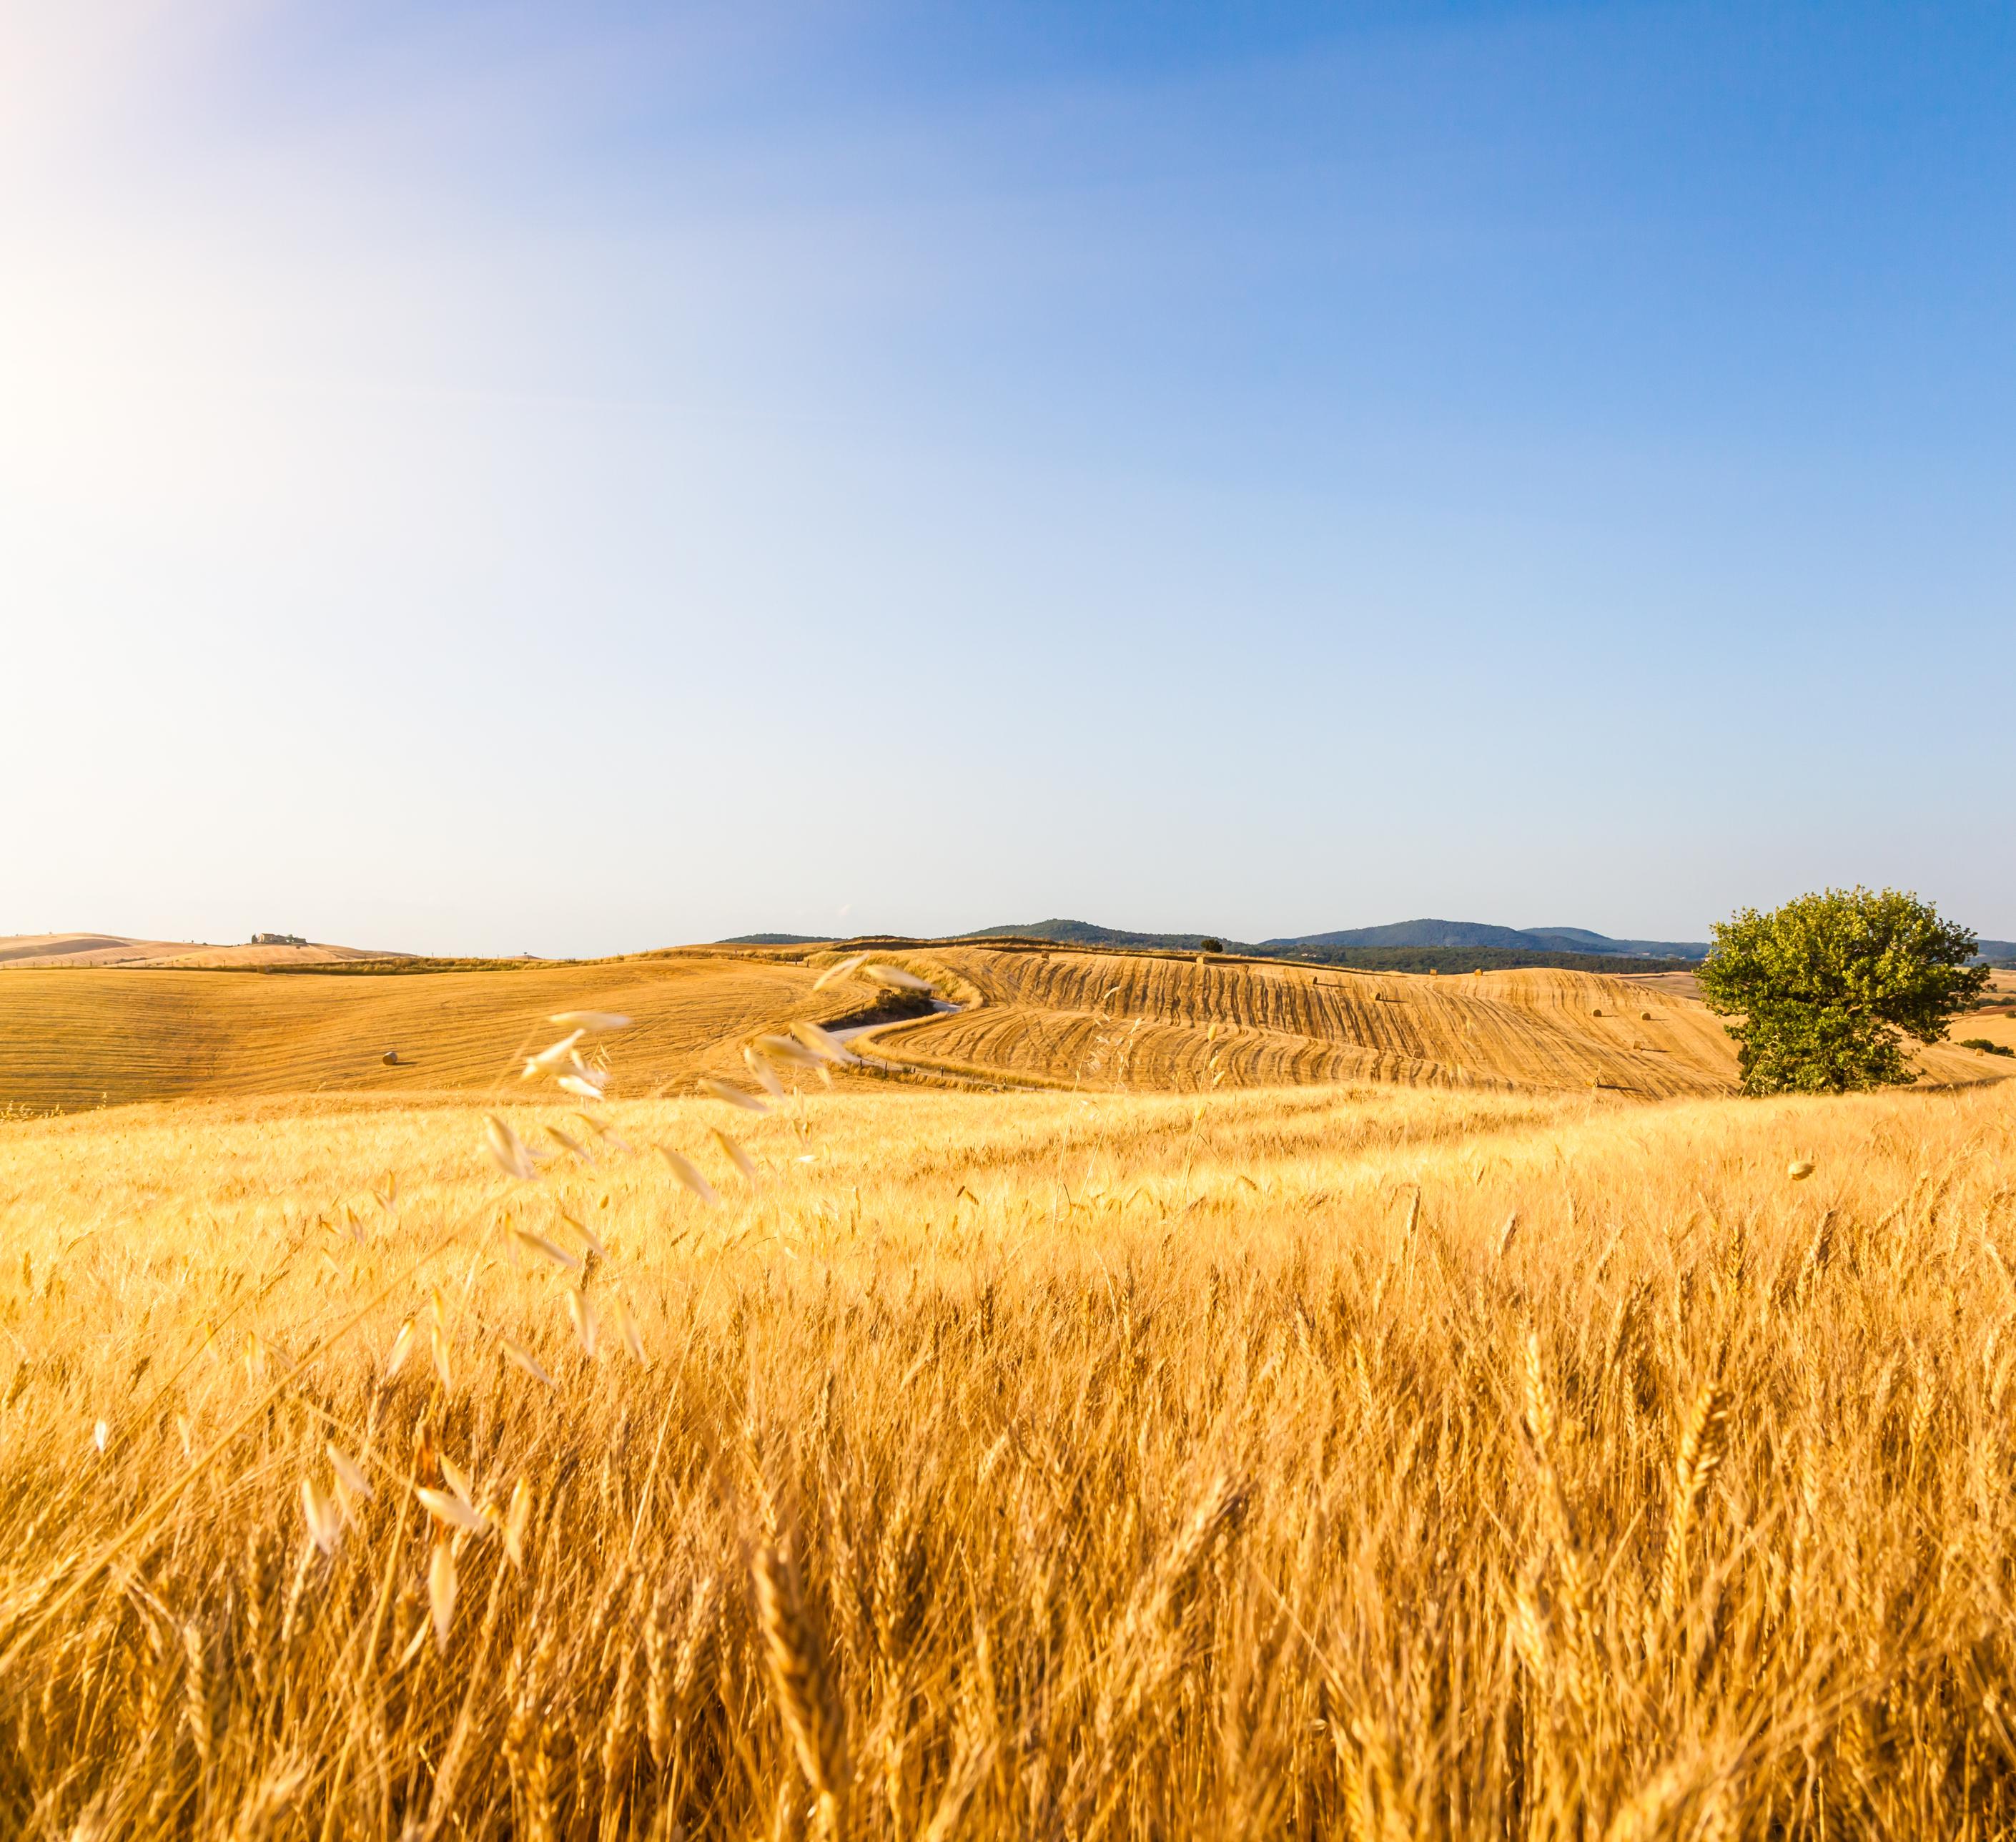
1825 989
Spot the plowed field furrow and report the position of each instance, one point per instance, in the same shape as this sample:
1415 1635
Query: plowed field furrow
1126 1020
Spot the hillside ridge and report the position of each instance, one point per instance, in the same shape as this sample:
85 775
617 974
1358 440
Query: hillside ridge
1447 933
1429 934
86 947
1424 935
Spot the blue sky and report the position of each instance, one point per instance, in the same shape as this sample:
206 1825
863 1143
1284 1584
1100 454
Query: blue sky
489 478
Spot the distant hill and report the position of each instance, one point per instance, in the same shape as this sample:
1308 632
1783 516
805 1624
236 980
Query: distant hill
267 953
1078 933
1474 959
1400 946
1463 937
1465 934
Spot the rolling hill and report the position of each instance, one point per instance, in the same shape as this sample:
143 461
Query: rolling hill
1062 1016
1032 1013
72 1038
1468 933
1410 946
23 952
1402 945
1108 1019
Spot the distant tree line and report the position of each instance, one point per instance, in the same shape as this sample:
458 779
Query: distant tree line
1467 959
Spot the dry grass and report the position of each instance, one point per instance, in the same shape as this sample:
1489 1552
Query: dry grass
1375 1463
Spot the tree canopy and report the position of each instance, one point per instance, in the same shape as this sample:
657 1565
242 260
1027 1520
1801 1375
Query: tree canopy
1825 990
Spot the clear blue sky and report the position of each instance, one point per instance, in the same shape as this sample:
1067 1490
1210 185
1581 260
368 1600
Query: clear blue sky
581 478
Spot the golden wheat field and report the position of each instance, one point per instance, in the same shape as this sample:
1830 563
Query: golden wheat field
1358 1461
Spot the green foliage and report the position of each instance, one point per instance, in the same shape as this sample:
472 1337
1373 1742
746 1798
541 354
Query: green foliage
1986 1046
1825 989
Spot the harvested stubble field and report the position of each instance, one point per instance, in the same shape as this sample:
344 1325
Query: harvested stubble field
1048 1016
77 1036
1368 1462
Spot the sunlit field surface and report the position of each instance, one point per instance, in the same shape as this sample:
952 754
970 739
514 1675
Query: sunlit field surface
1029 1015
1374 1462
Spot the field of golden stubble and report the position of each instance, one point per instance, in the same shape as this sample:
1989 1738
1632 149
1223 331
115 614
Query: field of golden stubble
1368 1462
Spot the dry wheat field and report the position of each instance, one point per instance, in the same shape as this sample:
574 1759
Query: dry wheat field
1358 1461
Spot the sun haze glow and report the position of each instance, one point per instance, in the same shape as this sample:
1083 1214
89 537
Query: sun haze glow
477 479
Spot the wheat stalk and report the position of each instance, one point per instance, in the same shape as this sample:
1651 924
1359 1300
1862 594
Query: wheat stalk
799 1683
1700 1453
